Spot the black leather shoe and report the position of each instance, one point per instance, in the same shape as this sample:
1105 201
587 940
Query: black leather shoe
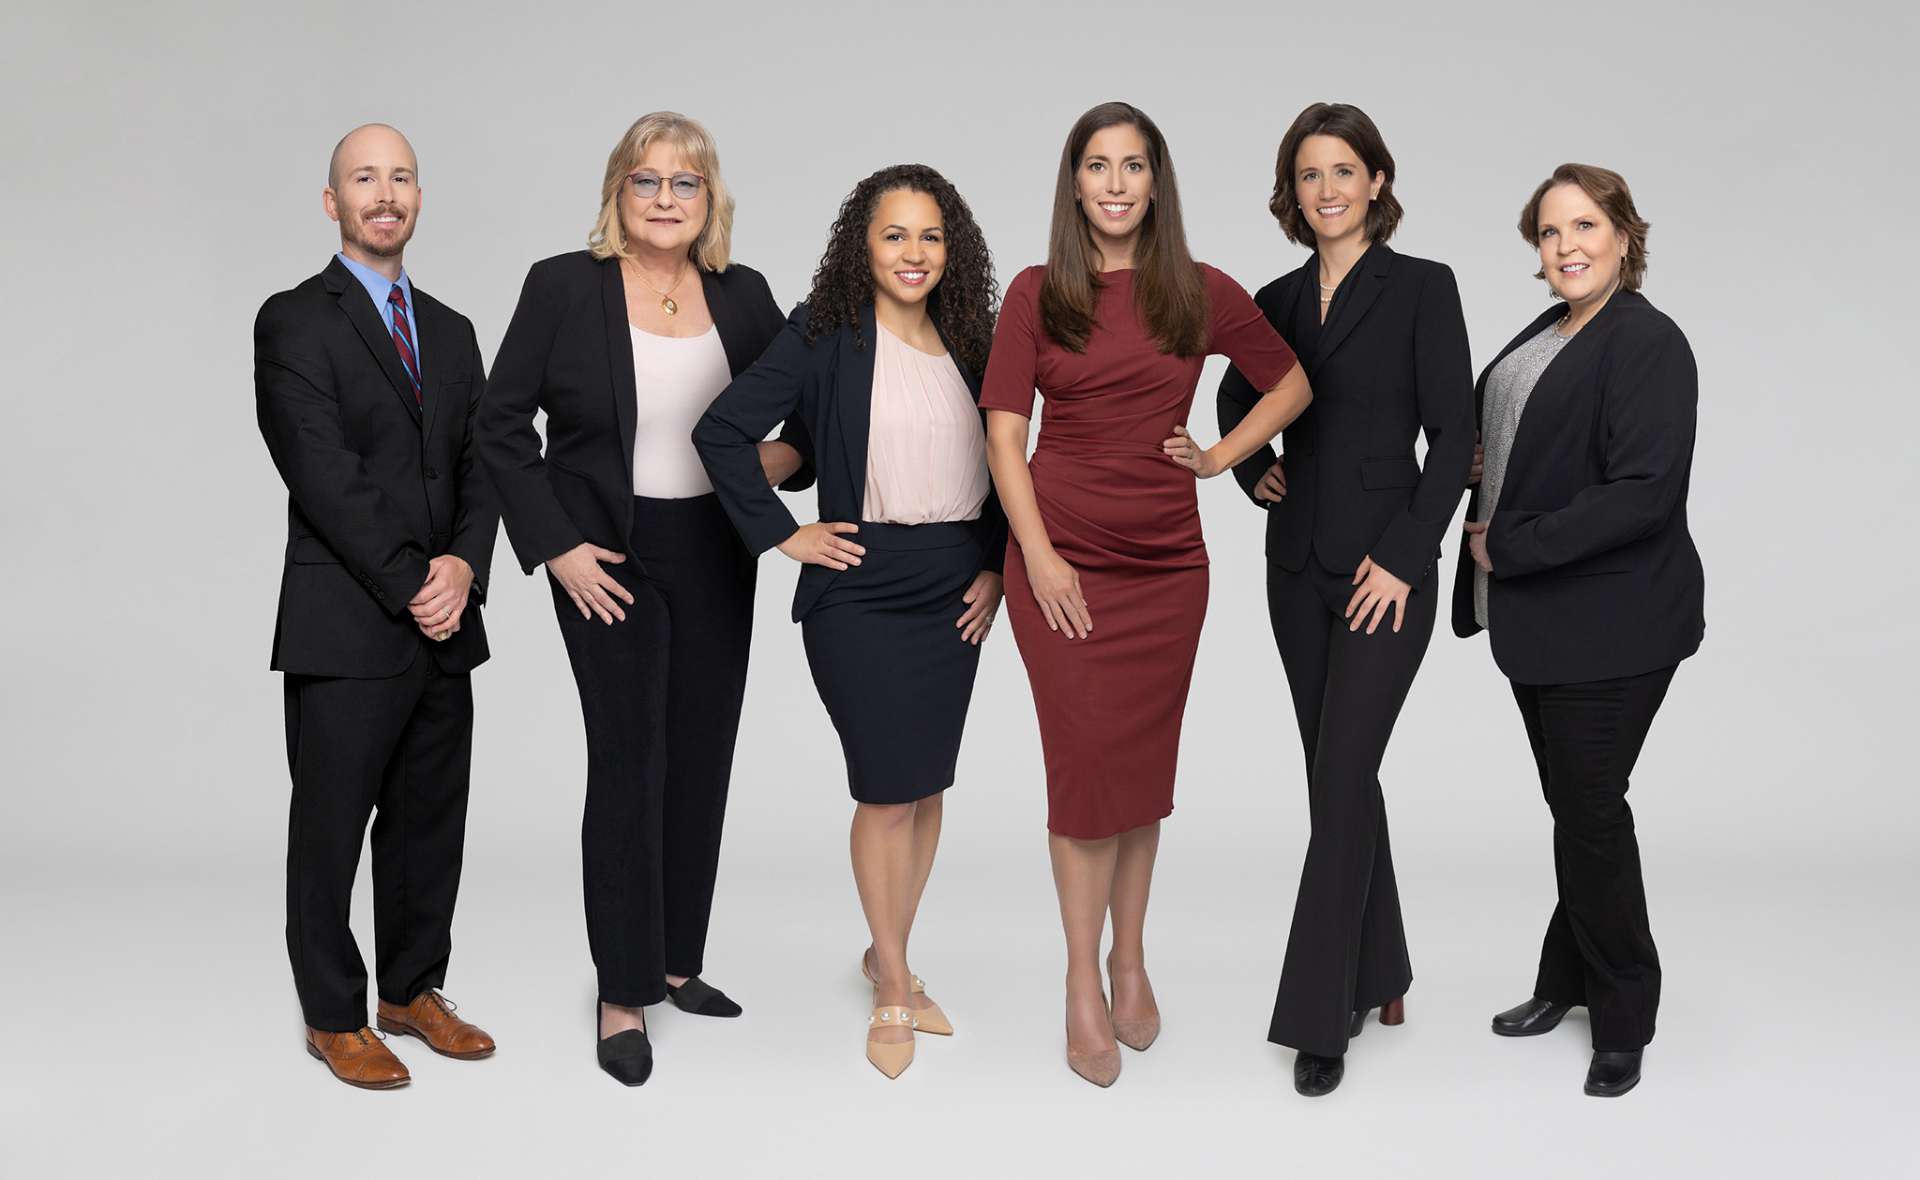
1314 1075
627 1057
1530 1019
1358 1024
1613 1073
701 999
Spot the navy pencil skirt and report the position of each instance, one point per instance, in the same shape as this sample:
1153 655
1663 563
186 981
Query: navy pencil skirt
889 662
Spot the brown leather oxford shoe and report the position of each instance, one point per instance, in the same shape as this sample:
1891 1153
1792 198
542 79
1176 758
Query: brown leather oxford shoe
430 1017
358 1058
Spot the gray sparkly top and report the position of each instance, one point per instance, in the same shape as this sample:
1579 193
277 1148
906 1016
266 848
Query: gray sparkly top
1508 388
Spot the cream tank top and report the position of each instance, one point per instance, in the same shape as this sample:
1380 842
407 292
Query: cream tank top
675 379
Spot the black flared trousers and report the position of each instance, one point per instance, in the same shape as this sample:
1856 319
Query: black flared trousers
1347 948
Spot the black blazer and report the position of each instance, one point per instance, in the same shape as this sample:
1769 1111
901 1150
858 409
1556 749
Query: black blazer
830 384
1391 360
1594 573
376 484
568 352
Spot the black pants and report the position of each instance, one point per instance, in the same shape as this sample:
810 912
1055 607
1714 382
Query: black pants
660 694
1599 945
399 750
1347 949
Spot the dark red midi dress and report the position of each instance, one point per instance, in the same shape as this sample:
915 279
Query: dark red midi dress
1127 518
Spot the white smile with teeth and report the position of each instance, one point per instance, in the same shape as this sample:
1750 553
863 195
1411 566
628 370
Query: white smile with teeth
1332 210
911 276
1115 209
1573 268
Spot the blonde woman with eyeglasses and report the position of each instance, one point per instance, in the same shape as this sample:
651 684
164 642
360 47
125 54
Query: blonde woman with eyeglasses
623 345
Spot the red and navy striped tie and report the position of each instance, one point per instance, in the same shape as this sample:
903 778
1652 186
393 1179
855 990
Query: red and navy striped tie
402 333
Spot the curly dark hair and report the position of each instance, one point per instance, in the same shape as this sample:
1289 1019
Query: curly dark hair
964 302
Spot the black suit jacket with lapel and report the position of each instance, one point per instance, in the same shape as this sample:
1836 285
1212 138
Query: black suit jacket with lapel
376 483
1595 575
1391 361
829 385
568 351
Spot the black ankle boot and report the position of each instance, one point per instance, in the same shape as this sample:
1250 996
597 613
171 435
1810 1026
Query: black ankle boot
1314 1075
1613 1072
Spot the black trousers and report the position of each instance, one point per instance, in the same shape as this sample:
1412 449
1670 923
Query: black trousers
1347 949
1599 945
398 750
660 695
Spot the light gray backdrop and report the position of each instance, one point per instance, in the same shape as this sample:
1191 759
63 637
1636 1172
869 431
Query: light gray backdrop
164 167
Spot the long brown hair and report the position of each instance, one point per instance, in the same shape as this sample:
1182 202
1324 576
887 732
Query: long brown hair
1168 291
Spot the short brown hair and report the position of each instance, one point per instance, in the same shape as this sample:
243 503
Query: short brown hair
713 249
1607 189
1351 125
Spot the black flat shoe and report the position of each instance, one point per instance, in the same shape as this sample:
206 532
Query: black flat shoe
627 1057
1613 1073
1530 1019
699 998
1314 1075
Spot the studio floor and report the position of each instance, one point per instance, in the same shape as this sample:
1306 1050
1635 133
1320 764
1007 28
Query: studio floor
162 1038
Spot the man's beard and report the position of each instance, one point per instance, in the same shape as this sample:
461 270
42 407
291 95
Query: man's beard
356 231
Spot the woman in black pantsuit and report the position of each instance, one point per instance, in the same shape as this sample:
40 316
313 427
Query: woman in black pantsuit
1581 569
902 573
1353 526
623 346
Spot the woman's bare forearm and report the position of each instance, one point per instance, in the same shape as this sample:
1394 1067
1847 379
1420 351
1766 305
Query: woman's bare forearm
1268 417
1007 460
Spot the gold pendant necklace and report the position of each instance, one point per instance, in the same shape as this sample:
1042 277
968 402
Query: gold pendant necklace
667 303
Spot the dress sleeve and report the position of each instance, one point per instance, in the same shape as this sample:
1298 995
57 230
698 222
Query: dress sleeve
1009 381
1238 330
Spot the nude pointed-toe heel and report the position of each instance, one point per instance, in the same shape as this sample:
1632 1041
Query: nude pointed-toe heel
1138 1032
890 1059
1101 1068
933 1019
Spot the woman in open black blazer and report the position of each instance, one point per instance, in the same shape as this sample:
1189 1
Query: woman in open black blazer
1592 587
1353 526
651 587
902 573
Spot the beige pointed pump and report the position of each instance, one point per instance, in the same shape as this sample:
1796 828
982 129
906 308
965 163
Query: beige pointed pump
932 1019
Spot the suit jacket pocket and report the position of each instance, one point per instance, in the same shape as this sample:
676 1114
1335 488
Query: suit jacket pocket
1381 474
311 551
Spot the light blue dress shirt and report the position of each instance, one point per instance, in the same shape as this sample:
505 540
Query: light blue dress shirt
378 286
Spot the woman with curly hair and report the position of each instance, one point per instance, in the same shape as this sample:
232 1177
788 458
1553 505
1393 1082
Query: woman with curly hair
901 575
1112 331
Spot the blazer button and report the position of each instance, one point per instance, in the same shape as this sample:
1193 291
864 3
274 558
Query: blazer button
433 473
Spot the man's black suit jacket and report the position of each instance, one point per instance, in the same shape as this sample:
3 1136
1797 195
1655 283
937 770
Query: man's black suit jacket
376 484
1390 362
1595 575
569 352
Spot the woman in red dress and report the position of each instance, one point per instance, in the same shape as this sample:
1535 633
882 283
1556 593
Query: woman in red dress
1106 577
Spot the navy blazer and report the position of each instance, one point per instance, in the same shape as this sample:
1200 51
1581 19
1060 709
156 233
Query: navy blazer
377 482
829 384
1390 362
568 351
1595 575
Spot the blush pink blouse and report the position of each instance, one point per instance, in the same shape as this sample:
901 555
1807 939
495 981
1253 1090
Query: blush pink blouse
926 449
